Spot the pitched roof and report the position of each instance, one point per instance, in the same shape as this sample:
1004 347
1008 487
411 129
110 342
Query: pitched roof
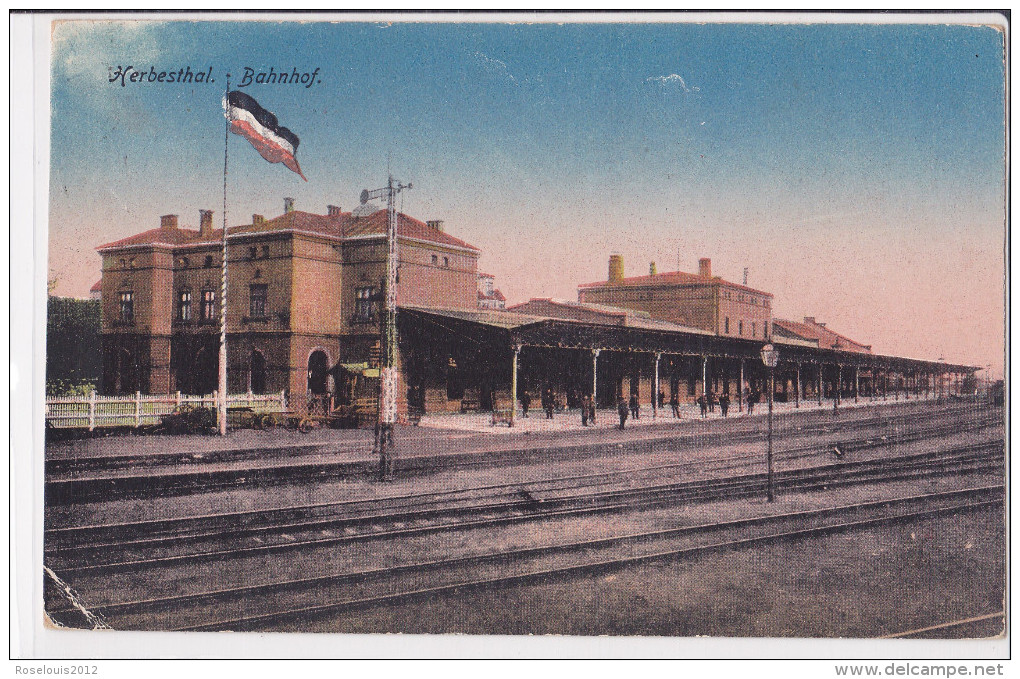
584 312
827 339
407 227
158 236
342 225
97 286
496 295
671 278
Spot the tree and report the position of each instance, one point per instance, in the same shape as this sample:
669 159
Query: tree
73 346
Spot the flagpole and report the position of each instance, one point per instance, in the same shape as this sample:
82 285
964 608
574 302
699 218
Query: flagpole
222 400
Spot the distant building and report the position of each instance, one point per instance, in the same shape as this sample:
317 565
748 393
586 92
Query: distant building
304 299
816 332
698 300
96 291
489 297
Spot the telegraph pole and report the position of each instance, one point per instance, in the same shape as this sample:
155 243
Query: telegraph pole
388 373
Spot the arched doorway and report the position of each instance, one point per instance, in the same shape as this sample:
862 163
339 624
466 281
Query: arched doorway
257 372
204 374
318 367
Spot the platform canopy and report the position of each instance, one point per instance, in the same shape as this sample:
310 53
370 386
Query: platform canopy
502 330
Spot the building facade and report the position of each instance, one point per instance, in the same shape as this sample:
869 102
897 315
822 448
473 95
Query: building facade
303 299
696 300
489 296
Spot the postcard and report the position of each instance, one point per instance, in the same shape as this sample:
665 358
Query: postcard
613 327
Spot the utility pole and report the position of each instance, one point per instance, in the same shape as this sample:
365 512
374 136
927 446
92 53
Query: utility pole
770 357
388 374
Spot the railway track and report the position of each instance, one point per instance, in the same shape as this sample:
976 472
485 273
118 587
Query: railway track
184 541
92 546
78 481
263 605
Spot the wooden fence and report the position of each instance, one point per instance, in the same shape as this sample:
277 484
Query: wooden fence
89 412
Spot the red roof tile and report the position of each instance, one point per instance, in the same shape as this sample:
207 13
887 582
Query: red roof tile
155 236
407 227
827 339
671 278
343 225
496 295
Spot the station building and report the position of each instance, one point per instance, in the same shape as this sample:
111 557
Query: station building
304 298
303 314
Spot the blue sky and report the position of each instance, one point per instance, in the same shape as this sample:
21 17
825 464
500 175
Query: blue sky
857 170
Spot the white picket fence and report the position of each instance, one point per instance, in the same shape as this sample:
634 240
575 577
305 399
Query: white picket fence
93 411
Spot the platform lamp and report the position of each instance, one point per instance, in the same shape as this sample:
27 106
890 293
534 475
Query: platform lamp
770 357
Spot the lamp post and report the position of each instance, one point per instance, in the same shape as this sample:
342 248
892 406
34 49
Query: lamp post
770 357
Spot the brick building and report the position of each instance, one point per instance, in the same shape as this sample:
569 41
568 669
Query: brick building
695 300
304 297
489 296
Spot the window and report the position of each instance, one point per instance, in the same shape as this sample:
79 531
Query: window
446 261
127 307
208 261
364 304
257 301
754 329
208 305
435 260
740 328
123 263
727 331
132 263
265 250
184 305
184 262
253 252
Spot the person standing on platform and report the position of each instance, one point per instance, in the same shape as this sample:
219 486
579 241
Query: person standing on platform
525 403
548 402
591 410
724 403
703 405
635 406
674 403
585 409
621 408
662 399
712 400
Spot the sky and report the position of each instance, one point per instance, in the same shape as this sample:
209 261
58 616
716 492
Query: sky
856 170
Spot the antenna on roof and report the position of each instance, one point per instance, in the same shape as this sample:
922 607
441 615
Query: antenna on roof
745 275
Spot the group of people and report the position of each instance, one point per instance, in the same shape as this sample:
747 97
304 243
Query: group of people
632 408
708 402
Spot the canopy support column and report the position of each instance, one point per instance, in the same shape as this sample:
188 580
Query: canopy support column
740 388
655 387
513 385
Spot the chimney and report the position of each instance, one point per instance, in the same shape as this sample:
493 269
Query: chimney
257 219
205 223
615 268
168 222
705 267
288 205
333 210
651 269
436 224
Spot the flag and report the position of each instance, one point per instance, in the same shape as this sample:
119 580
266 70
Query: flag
260 127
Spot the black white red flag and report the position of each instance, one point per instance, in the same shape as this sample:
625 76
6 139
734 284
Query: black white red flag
260 127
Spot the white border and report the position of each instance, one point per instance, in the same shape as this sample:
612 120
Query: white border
29 64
